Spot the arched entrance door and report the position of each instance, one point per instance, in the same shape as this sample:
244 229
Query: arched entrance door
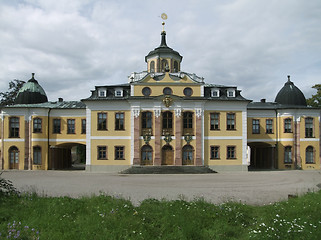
147 155
13 158
167 155
188 155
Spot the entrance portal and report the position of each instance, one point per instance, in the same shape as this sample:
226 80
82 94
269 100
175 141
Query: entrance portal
167 155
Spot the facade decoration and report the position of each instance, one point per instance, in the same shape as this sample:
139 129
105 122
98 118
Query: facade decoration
167 101
162 116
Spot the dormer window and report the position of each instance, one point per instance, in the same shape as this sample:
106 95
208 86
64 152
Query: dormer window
230 93
102 92
118 92
215 92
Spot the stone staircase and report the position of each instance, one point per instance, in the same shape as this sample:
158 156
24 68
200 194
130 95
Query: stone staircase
167 170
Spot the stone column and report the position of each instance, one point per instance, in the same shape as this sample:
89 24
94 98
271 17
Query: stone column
136 160
198 134
157 150
178 136
298 159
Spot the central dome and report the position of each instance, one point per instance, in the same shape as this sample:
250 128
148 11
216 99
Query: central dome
290 95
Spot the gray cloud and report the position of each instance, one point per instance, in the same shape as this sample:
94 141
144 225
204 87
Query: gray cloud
74 45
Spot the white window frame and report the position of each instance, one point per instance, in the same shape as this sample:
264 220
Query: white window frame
230 90
102 92
216 91
120 91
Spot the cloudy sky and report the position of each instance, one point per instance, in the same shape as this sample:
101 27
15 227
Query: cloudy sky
76 44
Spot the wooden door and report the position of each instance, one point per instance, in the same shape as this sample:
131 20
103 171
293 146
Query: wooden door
167 155
13 158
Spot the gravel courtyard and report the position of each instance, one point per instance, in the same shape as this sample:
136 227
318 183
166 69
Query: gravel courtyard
257 188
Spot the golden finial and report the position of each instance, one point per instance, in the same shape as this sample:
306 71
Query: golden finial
164 17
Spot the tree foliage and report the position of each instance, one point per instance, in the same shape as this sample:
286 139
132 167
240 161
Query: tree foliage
315 100
8 97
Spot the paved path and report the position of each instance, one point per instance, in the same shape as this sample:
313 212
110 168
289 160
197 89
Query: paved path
248 187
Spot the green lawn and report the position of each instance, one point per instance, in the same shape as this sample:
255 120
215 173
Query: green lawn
29 216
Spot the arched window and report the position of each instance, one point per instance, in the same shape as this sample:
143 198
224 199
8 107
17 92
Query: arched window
188 155
309 155
13 157
37 155
147 155
176 66
152 66
164 65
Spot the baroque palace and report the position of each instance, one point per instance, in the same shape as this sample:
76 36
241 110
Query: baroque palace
162 116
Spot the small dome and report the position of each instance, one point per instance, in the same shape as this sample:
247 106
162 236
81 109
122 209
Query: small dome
31 92
290 95
163 50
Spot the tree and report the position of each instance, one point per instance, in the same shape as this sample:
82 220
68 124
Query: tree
7 98
315 100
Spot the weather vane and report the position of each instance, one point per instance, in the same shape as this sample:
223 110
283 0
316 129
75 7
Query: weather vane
164 17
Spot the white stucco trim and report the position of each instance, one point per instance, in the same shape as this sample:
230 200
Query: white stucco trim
14 140
110 137
223 138
309 139
244 138
88 135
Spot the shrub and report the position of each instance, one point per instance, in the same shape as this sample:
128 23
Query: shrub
6 187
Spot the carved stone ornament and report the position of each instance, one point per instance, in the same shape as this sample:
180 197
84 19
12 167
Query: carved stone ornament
199 112
168 138
188 138
147 137
178 112
136 112
167 101
157 112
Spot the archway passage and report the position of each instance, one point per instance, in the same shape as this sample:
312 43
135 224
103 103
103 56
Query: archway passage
262 156
167 155
67 156
13 158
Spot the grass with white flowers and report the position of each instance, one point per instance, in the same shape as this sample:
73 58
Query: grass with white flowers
28 216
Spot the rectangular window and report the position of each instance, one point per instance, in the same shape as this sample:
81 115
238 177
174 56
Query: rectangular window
215 121
215 152
230 153
14 127
147 123
83 126
230 121
255 126
102 121
70 126
288 154
309 127
37 125
119 121
288 125
37 155
188 123
101 152
56 126
119 153
269 125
